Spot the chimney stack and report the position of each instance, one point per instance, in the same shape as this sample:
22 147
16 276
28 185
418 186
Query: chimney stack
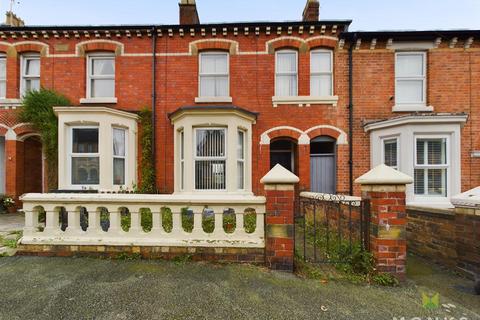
12 20
311 11
188 12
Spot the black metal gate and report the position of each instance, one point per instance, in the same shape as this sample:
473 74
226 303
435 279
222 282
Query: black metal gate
330 228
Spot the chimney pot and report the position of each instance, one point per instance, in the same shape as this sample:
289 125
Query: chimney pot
12 20
188 12
311 11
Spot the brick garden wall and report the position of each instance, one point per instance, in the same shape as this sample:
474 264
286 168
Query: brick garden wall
445 237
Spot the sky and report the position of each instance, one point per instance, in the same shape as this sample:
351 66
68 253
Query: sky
366 14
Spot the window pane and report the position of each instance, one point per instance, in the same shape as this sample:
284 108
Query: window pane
241 145
3 89
420 151
437 179
437 153
321 85
419 180
214 63
32 85
32 67
3 68
85 171
119 142
210 175
103 67
409 91
286 86
241 175
221 86
103 88
321 62
390 150
118 171
182 145
409 65
286 62
85 140
210 142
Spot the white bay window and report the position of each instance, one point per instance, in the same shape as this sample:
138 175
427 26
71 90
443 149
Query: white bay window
390 152
94 150
431 167
213 150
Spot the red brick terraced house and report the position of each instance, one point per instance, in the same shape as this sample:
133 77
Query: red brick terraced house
231 100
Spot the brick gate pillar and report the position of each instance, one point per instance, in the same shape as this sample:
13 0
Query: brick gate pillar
279 225
384 188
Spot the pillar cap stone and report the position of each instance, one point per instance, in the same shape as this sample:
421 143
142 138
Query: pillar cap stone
384 175
279 175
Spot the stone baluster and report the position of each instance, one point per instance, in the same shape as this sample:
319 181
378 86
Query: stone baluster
177 228
94 221
218 222
197 222
136 222
51 224
239 219
157 227
115 222
31 222
73 227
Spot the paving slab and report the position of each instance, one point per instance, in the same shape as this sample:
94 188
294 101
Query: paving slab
12 222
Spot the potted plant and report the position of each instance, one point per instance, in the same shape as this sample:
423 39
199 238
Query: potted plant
6 202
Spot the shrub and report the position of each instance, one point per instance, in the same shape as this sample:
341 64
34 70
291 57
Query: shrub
5 203
38 111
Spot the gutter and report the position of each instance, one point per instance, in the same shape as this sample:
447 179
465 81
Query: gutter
350 112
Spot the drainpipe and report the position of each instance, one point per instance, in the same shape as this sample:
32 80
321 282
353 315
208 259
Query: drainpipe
154 97
350 111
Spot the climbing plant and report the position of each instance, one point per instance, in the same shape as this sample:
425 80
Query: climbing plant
37 110
147 170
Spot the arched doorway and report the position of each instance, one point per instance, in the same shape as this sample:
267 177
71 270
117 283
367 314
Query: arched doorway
283 152
33 165
323 165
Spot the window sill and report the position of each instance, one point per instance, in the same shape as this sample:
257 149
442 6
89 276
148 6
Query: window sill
98 100
412 108
10 102
305 100
213 100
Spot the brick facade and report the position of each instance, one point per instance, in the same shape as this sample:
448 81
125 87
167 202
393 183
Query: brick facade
453 82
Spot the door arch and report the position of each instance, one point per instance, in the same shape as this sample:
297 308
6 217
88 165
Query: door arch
323 165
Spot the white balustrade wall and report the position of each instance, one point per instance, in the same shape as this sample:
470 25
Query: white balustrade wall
52 233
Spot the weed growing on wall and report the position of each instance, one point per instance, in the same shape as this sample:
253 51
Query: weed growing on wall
147 169
37 110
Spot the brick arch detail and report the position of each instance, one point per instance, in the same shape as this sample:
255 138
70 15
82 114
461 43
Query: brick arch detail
23 129
284 131
213 44
31 46
322 42
99 45
286 42
326 130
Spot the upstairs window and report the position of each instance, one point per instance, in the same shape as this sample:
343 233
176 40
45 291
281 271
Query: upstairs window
321 73
431 167
210 158
390 153
286 73
410 78
85 156
3 76
101 76
30 73
214 74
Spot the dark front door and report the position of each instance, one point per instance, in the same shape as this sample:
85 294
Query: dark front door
282 152
323 165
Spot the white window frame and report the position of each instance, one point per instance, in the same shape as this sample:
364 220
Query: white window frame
125 157
72 155
397 141
412 105
197 158
23 76
100 56
242 160
181 156
330 73
4 79
288 73
201 98
446 166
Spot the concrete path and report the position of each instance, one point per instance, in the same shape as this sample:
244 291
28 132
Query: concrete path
12 222
66 288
